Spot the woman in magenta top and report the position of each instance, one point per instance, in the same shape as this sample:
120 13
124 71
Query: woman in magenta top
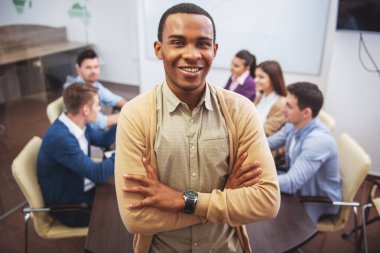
243 72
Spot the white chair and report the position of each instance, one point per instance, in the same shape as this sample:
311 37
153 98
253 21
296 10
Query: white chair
354 164
327 119
54 109
24 169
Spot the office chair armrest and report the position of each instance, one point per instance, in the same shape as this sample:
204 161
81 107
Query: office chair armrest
314 199
59 208
325 200
70 207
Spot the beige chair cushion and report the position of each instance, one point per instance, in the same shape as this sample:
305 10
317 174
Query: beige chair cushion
354 164
54 109
58 230
327 119
24 169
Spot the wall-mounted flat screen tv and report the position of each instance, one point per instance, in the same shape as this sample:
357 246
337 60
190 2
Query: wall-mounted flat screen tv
359 15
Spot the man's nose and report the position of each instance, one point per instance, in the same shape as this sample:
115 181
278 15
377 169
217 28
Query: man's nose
191 53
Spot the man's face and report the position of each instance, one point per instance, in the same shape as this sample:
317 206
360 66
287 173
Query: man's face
292 112
187 50
89 70
92 109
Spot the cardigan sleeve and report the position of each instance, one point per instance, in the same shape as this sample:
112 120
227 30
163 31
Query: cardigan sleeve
249 204
133 133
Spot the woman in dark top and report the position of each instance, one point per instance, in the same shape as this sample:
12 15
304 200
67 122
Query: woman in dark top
243 72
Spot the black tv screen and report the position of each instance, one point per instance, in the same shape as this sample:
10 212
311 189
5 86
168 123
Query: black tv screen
359 15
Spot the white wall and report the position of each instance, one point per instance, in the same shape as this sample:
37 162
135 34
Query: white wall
111 29
353 93
352 96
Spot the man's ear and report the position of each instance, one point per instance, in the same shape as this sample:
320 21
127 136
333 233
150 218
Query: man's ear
158 49
216 46
308 112
86 110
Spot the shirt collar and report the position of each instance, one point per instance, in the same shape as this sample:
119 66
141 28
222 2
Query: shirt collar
173 102
241 79
73 128
306 128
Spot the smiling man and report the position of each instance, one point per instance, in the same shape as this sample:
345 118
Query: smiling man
186 170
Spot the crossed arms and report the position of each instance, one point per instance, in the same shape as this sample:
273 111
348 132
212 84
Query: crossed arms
244 199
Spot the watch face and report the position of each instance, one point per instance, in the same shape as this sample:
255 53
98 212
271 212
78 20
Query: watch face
191 194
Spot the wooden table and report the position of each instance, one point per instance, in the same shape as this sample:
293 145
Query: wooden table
290 229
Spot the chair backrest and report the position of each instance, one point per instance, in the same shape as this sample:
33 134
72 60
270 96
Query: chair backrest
54 109
327 119
24 170
354 164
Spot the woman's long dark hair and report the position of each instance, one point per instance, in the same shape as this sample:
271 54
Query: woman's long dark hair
274 71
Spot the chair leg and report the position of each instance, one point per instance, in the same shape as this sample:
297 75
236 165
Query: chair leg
355 209
26 219
347 234
364 221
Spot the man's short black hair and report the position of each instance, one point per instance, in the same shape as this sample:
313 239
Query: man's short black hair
308 95
188 8
86 54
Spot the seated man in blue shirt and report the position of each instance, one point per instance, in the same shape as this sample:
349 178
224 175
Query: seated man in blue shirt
65 170
311 151
88 71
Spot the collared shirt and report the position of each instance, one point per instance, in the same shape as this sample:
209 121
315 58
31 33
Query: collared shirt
313 168
79 134
106 97
265 104
238 81
192 151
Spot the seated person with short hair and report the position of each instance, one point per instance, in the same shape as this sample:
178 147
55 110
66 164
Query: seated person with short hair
311 151
64 166
88 70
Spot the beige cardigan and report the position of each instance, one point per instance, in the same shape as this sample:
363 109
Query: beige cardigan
135 138
275 118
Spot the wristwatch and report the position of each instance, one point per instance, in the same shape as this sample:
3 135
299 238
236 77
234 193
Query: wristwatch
190 197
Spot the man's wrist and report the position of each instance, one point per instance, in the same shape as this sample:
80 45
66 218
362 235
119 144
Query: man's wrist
190 198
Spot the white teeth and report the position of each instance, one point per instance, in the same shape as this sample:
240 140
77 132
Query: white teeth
191 69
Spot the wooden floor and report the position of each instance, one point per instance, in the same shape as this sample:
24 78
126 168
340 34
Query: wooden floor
22 119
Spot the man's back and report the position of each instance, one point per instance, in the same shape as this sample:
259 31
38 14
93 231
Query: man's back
62 165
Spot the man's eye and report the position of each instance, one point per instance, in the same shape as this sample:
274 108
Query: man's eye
204 44
177 43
